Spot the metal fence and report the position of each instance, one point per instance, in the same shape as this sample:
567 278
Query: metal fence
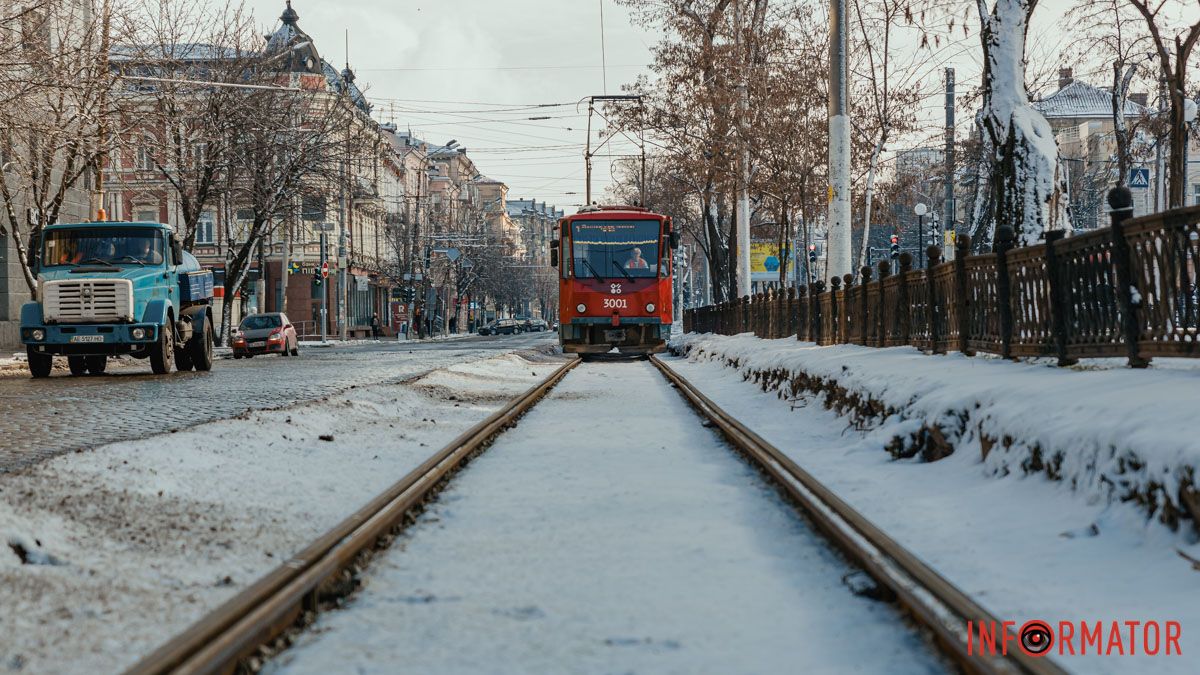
1129 290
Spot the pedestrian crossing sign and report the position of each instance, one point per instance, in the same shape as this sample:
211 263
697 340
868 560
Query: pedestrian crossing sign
1139 178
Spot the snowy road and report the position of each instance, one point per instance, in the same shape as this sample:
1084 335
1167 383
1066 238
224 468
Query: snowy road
609 532
47 417
105 554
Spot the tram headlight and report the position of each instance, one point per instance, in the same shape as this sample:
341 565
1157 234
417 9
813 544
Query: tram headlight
649 307
581 308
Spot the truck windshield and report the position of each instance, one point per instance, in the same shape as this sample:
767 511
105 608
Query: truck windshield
103 245
615 248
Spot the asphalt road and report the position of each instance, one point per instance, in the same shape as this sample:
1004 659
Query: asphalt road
42 418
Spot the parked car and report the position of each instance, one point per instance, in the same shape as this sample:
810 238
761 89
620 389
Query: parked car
500 327
536 326
268 333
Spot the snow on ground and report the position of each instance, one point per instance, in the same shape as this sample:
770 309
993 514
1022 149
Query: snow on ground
609 532
130 543
1024 546
1111 433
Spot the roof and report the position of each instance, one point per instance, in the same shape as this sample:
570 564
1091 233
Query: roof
522 207
182 51
343 83
1082 100
623 212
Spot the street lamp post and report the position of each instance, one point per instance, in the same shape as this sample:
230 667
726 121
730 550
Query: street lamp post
920 209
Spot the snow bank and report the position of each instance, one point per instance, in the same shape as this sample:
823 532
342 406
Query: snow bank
1110 433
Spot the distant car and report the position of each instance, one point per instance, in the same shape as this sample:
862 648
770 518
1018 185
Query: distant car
536 326
500 327
269 333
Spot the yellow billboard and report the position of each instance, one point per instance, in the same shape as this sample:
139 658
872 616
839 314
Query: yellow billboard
765 260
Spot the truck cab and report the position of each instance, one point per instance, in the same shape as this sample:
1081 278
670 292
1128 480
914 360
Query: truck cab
109 288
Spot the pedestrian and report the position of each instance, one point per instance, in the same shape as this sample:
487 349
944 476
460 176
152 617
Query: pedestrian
453 325
404 329
375 326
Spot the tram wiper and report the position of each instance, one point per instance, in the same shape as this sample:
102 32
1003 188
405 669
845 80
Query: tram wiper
593 269
622 268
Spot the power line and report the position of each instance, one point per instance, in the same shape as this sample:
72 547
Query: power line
489 68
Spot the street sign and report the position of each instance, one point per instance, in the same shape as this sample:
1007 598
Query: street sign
324 227
325 270
452 254
1139 178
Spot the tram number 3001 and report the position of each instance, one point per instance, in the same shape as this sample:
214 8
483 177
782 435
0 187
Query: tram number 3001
616 303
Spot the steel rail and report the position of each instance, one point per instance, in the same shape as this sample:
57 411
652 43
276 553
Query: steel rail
928 597
266 609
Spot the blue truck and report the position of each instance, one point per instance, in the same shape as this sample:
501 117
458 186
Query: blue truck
109 288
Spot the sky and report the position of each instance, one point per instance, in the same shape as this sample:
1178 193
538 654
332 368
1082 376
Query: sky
456 69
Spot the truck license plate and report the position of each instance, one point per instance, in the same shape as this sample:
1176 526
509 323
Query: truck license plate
614 335
87 338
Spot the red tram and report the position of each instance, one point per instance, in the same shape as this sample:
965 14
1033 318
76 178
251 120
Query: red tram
614 285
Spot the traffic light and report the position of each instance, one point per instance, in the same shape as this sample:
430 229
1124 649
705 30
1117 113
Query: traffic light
317 279
895 246
812 253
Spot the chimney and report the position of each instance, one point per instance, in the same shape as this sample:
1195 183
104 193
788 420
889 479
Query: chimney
1064 77
1140 98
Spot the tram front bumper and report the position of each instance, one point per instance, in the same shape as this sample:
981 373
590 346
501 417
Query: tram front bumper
648 337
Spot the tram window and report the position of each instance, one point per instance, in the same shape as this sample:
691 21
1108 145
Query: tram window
610 248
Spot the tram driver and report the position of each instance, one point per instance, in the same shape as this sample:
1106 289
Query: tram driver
636 261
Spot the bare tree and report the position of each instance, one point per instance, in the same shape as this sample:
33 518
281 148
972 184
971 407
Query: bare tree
58 113
1173 45
186 71
287 141
890 88
1026 180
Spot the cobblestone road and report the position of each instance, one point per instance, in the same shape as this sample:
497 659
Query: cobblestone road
42 418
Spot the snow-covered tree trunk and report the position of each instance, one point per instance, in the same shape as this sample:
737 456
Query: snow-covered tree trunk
1025 172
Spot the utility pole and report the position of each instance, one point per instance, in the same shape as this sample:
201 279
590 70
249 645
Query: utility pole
343 330
743 204
284 262
1160 162
948 180
324 285
837 255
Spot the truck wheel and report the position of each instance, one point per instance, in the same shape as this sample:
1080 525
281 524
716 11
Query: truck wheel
200 348
162 355
77 364
40 365
97 364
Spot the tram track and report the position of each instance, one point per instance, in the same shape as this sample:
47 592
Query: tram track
225 639
255 624
928 597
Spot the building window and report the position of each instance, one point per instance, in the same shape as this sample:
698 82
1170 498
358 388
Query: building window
145 158
145 215
1195 194
206 229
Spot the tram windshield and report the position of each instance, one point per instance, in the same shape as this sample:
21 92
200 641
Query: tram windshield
606 249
